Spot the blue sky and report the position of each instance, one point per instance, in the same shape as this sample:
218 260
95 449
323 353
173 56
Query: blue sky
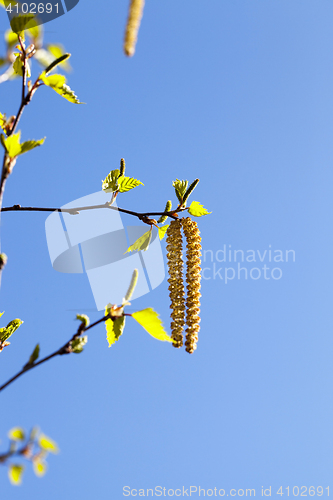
239 94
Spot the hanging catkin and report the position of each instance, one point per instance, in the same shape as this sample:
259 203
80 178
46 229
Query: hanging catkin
176 283
132 27
193 277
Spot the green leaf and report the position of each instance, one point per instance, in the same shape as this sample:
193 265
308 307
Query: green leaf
118 326
12 145
180 189
162 231
22 22
78 344
15 473
110 183
141 243
150 321
47 444
11 38
39 467
16 434
127 183
55 63
3 122
113 328
29 145
84 319
58 84
14 148
18 67
197 210
12 326
34 356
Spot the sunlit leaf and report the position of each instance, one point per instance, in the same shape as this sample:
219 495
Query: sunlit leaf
113 328
16 434
162 231
28 145
15 473
12 326
12 145
40 467
150 321
84 319
58 84
127 183
18 67
197 210
180 189
110 183
47 444
141 243
78 344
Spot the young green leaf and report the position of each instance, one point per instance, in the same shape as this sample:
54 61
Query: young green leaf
180 189
18 67
127 183
3 122
39 467
34 356
78 344
15 473
84 319
58 84
113 328
141 243
162 231
29 145
16 434
47 444
6 332
12 144
55 63
22 22
110 183
150 321
197 210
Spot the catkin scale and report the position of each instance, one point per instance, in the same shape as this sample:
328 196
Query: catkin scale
193 277
132 27
176 283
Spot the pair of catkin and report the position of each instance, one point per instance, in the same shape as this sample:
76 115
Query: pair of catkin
176 282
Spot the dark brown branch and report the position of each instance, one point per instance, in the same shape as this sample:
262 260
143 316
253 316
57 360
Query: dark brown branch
76 210
65 349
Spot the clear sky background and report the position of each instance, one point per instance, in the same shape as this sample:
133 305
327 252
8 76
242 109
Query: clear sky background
240 94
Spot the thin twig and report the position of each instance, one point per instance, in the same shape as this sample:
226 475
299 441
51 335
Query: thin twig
76 210
65 349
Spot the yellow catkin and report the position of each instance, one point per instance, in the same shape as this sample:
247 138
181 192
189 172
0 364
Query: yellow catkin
176 282
132 27
193 278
